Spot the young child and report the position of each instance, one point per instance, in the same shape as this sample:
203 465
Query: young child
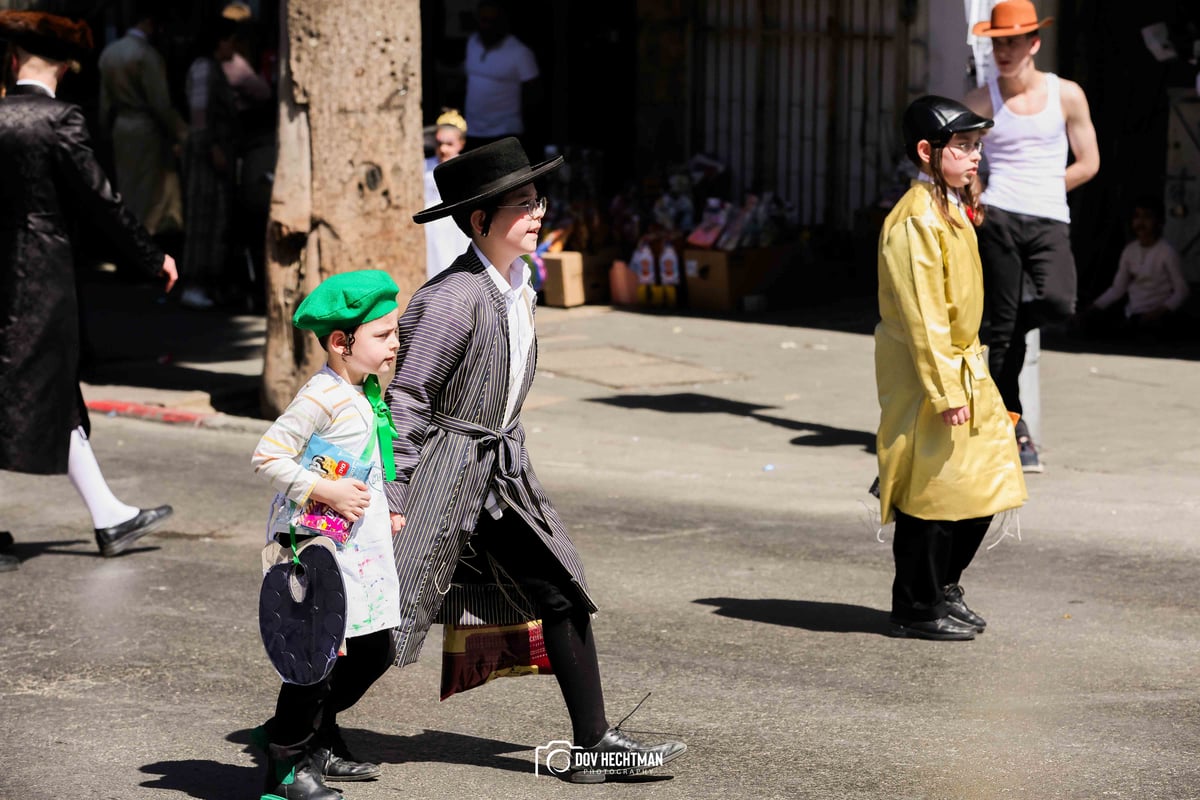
1148 275
444 242
354 315
467 359
947 452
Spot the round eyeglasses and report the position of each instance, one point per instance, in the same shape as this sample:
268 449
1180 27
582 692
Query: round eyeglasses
967 148
534 208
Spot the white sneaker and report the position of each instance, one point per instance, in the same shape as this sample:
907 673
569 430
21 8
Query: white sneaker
196 298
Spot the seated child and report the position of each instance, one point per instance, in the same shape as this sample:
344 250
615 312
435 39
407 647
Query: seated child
354 315
1148 276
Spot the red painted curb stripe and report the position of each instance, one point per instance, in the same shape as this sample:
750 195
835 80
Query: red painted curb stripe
155 413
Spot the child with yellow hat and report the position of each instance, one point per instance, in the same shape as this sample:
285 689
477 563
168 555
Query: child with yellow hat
354 315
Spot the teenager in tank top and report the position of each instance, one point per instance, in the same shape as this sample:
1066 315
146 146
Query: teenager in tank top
1024 241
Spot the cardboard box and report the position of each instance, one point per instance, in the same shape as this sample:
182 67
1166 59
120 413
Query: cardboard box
719 280
564 279
574 278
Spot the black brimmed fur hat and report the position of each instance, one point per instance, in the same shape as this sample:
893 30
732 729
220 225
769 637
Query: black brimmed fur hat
47 35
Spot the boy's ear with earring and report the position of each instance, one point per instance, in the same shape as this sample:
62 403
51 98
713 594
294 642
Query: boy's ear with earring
339 342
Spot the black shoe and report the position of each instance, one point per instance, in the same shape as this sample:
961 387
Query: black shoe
117 539
8 563
941 629
301 781
333 759
958 608
6 541
617 754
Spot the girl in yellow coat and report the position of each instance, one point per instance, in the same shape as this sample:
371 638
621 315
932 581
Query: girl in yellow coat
947 452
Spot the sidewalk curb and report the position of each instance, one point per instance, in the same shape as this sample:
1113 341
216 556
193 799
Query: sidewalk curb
176 416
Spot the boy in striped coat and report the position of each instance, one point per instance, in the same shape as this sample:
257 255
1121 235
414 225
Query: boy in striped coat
466 362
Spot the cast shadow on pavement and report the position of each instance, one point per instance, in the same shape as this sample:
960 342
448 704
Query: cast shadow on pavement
434 746
64 547
27 550
440 747
815 434
811 615
131 336
206 780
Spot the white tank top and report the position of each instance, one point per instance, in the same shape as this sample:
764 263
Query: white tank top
1027 157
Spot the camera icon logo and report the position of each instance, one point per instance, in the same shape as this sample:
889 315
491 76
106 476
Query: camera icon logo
554 758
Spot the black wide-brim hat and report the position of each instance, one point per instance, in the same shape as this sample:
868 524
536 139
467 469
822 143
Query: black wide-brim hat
477 175
47 35
936 119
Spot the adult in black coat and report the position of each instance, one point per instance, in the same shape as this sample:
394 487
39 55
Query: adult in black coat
51 181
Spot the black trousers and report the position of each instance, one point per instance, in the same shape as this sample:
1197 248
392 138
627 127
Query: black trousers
930 555
566 622
1029 280
303 711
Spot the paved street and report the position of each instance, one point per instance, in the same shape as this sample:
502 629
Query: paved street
713 474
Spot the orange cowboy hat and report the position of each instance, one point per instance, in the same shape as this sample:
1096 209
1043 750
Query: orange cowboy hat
1011 18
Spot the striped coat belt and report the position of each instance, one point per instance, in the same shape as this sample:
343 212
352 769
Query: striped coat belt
508 463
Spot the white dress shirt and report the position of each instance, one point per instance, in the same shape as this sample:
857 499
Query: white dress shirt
32 82
518 300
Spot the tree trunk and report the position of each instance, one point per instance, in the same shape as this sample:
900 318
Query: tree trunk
348 174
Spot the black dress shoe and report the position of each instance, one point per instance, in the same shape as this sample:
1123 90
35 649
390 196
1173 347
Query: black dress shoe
335 768
8 563
117 539
6 541
333 759
958 608
941 629
618 754
301 781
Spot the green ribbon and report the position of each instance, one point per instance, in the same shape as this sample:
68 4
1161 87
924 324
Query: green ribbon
385 427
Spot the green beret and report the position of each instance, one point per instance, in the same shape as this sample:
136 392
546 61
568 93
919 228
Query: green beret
346 300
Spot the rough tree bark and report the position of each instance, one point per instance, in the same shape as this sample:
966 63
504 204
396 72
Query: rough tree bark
348 175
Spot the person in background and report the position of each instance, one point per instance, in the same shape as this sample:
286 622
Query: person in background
1148 277
145 131
504 87
947 455
1025 242
444 242
209 166
250 90
53 184
254 99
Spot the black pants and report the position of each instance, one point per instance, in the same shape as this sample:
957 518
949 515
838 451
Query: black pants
930 555
303 711
1029 280
566 622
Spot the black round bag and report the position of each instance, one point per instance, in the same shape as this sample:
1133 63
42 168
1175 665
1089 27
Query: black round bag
302 613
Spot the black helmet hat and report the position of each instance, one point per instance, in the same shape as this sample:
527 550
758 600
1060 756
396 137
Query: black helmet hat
936 119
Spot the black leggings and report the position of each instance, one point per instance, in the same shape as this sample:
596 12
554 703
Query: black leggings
930 555
302 711
566 623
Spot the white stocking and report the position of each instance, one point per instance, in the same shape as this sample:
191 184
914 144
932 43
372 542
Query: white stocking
85 475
